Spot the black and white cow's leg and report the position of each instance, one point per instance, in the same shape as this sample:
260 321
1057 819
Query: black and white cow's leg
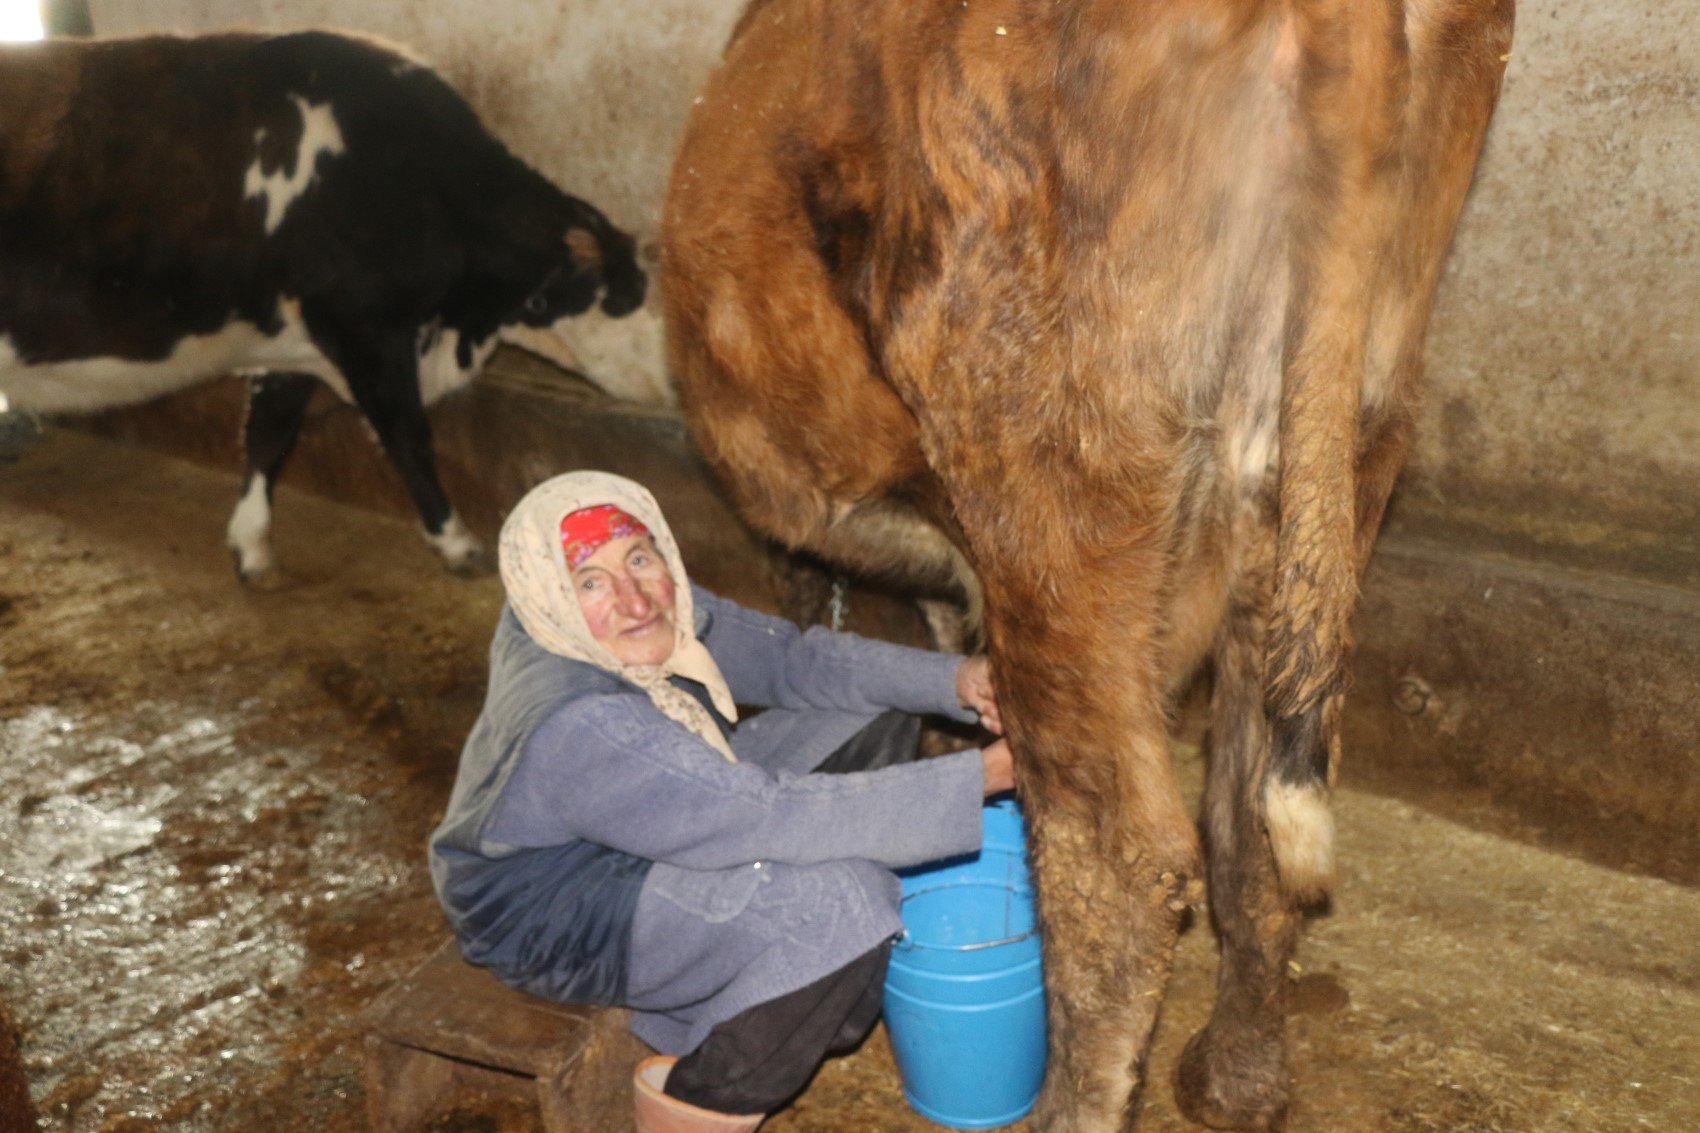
277 405
385 385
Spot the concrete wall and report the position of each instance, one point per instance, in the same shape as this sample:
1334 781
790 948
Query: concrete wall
1565 353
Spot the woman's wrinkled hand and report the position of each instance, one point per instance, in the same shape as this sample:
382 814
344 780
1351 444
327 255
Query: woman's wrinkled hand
999 768
974 690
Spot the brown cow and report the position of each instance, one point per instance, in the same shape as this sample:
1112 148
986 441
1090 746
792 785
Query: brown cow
1116 311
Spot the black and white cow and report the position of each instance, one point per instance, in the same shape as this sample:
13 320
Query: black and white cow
295 207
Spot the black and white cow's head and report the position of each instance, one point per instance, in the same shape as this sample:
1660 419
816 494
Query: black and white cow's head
595 263
596 278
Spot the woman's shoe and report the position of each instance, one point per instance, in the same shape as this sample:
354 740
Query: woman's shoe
658 1113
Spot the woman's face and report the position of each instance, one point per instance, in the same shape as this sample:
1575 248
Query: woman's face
626 594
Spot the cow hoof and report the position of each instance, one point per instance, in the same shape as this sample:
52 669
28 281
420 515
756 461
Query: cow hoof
460 549
262 576
19 432
268 581
477 563
1253 1100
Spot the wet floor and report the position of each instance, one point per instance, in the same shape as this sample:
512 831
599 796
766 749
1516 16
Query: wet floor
213 804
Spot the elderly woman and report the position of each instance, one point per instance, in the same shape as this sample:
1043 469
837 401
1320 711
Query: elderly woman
616 836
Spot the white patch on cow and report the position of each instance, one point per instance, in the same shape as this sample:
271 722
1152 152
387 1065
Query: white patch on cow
459 547
85 385
1301 836
1256 447
293 351
626 356
320 137
1253 418
249 532
440 371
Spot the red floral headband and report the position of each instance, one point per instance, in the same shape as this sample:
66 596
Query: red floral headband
584 531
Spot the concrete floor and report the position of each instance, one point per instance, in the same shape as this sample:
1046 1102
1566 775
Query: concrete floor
215 803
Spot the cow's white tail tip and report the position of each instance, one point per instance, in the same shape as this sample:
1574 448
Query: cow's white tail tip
1301 835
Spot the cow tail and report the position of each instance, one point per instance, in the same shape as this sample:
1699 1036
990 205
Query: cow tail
1315 590
1345 201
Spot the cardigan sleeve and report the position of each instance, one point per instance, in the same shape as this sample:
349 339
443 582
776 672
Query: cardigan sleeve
770 662
610 769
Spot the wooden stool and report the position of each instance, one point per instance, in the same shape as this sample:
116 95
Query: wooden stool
450 1029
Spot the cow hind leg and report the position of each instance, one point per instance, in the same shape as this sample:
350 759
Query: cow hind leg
1233 1073
277 406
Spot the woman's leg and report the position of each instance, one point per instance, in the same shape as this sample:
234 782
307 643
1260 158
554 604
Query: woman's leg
891 738
797 741
757 1061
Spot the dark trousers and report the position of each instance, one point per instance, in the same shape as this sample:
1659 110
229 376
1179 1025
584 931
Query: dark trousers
757 1061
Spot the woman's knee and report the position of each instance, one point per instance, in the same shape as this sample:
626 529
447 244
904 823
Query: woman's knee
809 898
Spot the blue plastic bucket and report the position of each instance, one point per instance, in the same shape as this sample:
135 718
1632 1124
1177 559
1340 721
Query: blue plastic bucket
965 992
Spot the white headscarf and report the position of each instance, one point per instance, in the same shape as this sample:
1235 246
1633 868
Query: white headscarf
540 590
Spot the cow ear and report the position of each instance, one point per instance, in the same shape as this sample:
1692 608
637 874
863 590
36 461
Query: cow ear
586 249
